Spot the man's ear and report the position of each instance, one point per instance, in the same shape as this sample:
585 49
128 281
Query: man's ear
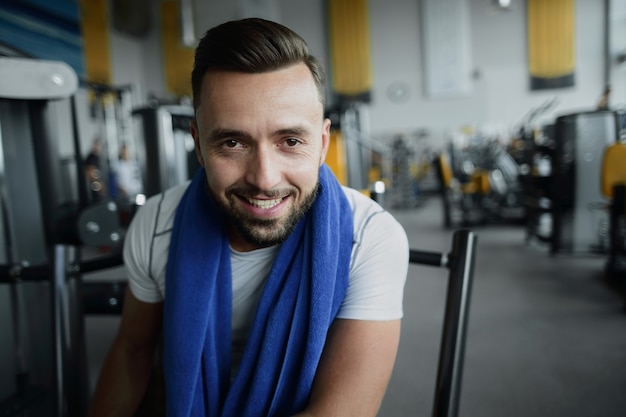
325 140
193 127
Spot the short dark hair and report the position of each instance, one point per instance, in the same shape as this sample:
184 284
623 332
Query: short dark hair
252 45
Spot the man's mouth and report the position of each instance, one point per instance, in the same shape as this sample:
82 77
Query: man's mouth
264 204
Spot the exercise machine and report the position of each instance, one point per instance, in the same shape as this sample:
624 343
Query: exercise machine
614 190
165 147
479 185
580 140
44 218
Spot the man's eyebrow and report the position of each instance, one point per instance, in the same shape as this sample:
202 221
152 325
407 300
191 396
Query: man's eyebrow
219 134
297 130
225 133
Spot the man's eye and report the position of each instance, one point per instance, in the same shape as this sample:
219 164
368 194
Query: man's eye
292 142
231 143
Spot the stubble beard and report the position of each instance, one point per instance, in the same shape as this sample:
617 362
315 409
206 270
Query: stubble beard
265 232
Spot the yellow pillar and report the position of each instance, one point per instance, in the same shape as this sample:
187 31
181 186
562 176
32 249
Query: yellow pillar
336 156
551 43
95 31
349 35
177 57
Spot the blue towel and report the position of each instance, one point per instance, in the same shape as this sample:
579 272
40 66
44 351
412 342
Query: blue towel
302 295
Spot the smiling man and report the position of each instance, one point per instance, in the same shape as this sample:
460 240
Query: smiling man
261 143
277 291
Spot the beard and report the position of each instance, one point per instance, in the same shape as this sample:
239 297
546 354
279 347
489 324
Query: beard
264 232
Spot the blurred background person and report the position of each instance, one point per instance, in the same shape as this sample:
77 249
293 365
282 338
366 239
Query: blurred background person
93 172
127 177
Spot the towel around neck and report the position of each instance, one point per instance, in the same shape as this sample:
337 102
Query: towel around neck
302 295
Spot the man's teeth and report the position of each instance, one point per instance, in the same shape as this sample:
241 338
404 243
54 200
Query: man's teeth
264 204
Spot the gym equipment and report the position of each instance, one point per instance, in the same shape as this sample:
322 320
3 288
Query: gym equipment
459 198
31 97
43 218
614 189
460 263
110 108
356 160
537 185
166 150
479 185
580 140
403 184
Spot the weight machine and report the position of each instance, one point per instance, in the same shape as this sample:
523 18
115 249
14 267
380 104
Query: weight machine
580 140
43 221
49 224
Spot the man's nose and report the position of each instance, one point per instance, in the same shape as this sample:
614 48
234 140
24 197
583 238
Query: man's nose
263 171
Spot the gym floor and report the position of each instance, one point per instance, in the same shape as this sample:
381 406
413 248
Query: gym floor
546 334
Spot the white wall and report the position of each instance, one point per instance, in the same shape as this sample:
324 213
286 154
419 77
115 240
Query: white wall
137 61
500 94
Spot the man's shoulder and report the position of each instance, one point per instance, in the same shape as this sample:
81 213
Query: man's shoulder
162 206
367 212
168 198
359 202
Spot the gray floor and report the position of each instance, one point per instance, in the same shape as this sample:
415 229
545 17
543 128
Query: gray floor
546 335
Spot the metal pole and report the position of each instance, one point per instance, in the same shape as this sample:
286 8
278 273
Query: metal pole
71 379
59 303
428 258
83 196
447 391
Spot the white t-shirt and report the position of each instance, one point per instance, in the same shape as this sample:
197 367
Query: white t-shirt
378 268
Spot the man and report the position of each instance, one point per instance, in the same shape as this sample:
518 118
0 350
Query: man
279 292
127 176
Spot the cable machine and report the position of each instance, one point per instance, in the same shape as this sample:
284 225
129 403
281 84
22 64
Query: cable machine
43 222
166 149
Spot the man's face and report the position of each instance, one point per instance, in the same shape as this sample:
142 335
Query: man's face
262 139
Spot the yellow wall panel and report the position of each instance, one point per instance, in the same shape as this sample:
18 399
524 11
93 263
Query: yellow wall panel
177 58
349 34
95 31
551 43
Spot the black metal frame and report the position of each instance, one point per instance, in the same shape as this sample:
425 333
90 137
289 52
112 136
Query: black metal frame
460 262
68 296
